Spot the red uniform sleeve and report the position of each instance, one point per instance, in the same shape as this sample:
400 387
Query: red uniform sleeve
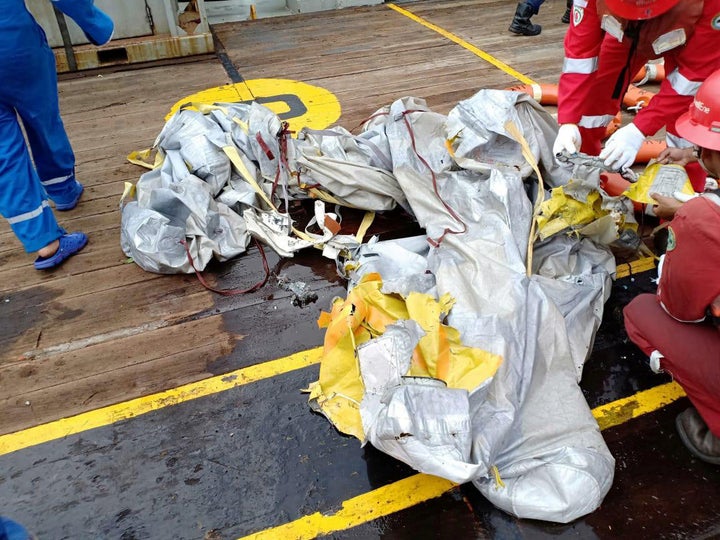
582 47
689 281
686 68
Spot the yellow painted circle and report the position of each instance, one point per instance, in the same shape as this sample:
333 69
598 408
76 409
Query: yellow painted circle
316 107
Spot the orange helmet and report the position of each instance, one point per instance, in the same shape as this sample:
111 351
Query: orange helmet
701 124
638 10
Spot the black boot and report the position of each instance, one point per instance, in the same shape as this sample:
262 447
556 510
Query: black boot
521 22
568 11
696 436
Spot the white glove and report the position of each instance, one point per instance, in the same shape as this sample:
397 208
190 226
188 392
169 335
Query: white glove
622 147
568 139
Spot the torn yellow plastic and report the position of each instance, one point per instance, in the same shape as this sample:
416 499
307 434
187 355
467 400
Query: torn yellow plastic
662 179
129 193
366 313
142 158
561 212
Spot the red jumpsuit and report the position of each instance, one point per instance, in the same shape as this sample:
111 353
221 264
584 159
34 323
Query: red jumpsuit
594 60
689 282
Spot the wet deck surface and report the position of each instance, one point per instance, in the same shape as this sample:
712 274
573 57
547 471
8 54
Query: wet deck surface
100 331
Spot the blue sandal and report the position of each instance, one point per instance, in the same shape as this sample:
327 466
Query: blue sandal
79 188
70 244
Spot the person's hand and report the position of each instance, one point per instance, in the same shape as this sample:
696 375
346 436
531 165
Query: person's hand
622 147
665 207
677 156
568 140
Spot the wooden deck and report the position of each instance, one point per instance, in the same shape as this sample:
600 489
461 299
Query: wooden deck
99 330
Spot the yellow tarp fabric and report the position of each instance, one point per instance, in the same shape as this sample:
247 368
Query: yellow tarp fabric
365 314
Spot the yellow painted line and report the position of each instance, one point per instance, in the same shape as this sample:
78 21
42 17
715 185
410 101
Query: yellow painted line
361 509
464 44
635 267
136 407
421 487
620 411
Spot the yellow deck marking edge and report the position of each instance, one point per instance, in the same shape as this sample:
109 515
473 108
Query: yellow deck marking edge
104 416
361 509
635 267
420 488
620 411
472 48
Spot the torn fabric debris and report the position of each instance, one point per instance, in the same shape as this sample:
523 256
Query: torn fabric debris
458 352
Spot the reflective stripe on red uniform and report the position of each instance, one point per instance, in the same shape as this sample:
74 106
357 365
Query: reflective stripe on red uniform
594 60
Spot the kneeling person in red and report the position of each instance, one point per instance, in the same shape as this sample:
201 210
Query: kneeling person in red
679 327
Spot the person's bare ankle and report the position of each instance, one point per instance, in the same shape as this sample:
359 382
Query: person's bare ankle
50 249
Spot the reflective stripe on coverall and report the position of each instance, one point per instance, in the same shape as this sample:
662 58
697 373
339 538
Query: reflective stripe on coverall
594 60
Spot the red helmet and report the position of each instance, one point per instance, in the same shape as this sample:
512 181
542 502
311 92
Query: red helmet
701 124
638 10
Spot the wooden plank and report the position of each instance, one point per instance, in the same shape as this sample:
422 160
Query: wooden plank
32 374
71 322
103 267
171 370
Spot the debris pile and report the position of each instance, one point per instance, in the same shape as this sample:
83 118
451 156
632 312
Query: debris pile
459 351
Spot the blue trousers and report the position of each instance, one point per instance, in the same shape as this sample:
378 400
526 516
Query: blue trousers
535 4
28 94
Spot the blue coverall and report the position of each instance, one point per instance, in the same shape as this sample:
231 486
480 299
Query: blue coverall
28 92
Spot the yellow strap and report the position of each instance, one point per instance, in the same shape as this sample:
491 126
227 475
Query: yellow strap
207 108
304 236
232 153
325 196
449 146
644 250
204 108
498 481
513 130
367 220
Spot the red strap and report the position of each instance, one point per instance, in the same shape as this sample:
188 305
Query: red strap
264 146
435 242
229 292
